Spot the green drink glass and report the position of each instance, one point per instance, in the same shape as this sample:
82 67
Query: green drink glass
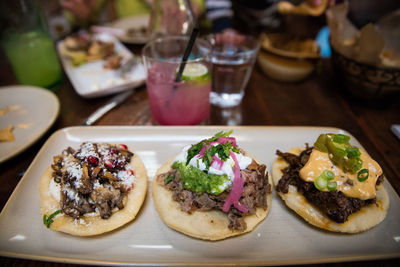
28 45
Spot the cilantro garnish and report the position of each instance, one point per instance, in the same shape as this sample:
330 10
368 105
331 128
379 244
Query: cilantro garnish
47 220
222 150
169 179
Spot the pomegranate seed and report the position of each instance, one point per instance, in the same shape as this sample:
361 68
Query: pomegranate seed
120 164
122 146
131 172
113 151
108 164
93 161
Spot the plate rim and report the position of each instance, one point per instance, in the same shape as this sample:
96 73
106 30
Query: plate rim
50 122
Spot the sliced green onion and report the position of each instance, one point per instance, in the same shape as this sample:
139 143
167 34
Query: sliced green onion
353 152
332 185
353 164
341 138
320 183
328 175
363 175
48 220
340 152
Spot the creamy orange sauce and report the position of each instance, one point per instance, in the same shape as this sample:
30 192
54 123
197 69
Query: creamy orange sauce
320 161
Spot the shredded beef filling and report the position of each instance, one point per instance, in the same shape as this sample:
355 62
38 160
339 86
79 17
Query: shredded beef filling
89 179
334 204
256 188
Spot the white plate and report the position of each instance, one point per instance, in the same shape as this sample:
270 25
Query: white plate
92 80
282 238
34 111
135 22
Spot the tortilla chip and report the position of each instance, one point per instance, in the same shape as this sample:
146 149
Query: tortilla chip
362 220
208 225
304 8
6 134
94 225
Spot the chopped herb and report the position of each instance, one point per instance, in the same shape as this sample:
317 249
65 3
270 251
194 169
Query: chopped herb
218 135
47 220
169 179
222 150
193 151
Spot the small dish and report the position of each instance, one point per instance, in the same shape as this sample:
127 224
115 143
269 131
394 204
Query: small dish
285 58
31 111
135 28
93 80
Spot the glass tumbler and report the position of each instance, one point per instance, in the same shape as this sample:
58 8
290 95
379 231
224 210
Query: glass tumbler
27 44
172 102
232 62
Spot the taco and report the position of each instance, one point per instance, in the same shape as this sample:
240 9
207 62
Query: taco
212 190
332 185
92 190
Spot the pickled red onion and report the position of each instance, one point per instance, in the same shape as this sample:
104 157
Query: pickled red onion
217 163
223 140
236 190
201 153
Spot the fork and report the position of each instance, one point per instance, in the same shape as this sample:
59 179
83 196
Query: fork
133 62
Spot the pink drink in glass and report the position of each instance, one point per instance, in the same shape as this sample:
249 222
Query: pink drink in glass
182 103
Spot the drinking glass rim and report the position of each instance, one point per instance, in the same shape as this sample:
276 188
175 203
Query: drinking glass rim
172 60
250 52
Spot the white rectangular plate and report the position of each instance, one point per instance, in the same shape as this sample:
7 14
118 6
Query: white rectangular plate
282 238
93 80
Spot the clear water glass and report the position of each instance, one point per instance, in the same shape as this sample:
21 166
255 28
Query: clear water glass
232 63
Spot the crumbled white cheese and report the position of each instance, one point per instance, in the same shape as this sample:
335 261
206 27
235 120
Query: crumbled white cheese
81 222
96 184
73 168
71 193
103 149
87 149
55 189
126 177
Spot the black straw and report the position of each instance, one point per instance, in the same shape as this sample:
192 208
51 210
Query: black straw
186 54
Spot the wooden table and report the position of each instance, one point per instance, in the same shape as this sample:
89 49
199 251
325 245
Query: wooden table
317 101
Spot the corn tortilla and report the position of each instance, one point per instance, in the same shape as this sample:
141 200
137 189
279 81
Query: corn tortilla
94 225
207 225
362 220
